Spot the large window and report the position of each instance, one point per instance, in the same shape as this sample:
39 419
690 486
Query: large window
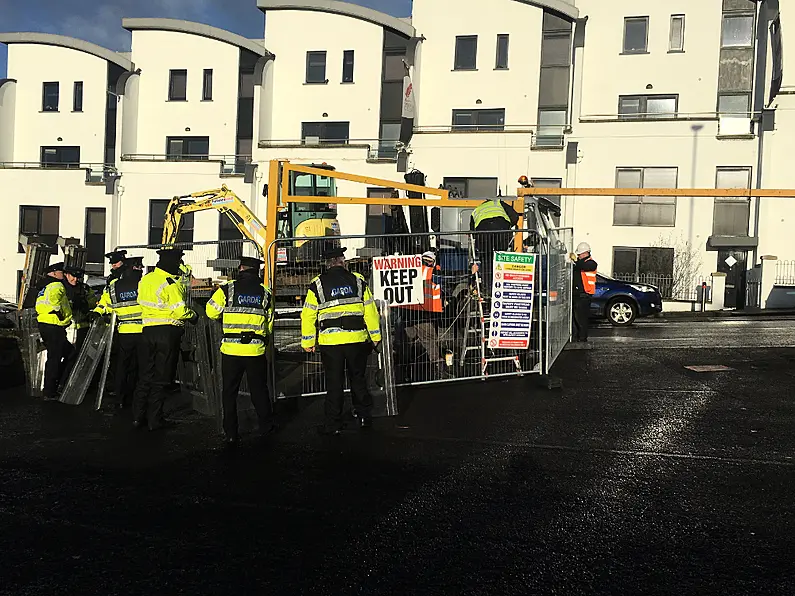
207 85
95 234
635 263
347 66
40 221
316 67
178 85
471 188
325 133
77 97
732 214
551 124
466 52
187 148
645 210
735 103
479 119
676 39
157 215
49 97
738 31
633 107
502 52
636 35
60 157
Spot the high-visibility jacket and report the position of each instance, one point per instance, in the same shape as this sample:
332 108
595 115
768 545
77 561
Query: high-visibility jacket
162 300
88 301
52 299
186 274
245 308
121 297
489 210
431 293
587 271
339 309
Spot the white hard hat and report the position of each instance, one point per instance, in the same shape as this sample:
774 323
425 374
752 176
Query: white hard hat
429 258
583 247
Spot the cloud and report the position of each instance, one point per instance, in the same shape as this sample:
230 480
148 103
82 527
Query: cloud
102 26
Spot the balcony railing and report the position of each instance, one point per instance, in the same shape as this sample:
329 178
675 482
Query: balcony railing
672 287
230 164
377 149
96 173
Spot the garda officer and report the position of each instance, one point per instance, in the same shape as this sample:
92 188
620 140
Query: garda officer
246 309
341 317
83 301
121 297
164 313
584 279
54 316
116 260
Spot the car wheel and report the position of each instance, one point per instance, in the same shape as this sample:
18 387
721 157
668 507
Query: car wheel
621 312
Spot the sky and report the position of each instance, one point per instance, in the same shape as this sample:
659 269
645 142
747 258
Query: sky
99 21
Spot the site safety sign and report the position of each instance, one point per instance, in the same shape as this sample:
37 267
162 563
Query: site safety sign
512 291
398 280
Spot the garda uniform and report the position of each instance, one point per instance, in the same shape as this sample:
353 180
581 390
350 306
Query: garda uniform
584 281
54 315
245 307
83 300
121 297
117 257
164 312
340 316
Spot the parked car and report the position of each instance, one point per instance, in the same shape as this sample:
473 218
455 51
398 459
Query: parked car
621 302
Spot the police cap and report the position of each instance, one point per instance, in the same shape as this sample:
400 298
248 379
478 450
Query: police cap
333 252
74 271
54 267
171 251
252 262
116 256
134 261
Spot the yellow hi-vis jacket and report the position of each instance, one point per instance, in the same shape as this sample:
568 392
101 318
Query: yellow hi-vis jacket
489 210
80 318
245 307
52 299
339 309
121 297
162 300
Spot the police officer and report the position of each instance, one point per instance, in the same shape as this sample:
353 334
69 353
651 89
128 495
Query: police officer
54 316
340 316
121 297
83 300
246 309
116 260
584 281
164 313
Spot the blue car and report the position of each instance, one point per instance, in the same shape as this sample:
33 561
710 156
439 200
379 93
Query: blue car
622 302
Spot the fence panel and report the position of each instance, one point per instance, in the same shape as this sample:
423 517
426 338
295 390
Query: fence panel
785 273
558 294
672 287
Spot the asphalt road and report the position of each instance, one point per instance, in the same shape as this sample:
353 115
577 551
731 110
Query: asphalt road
641 478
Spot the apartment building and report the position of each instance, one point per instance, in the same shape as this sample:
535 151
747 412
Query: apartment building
581 93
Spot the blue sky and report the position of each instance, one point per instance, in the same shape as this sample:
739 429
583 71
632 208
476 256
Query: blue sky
99 21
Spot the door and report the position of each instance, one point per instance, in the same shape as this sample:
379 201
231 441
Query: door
734 264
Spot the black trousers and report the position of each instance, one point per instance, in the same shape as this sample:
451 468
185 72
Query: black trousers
335 360
110 379
582 313
126 365
256 370
59 352
157 350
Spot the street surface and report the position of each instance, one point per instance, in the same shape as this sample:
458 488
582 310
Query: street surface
640 478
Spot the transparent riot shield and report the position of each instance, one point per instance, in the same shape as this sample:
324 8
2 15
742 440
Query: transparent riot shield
87 362
381 370
105 363
33 353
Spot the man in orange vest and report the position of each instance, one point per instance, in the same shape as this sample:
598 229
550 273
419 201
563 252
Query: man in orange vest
584 278
422 324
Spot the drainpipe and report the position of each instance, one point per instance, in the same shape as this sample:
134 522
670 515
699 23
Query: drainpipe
760 86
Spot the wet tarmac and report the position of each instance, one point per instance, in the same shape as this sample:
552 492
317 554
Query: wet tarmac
640 477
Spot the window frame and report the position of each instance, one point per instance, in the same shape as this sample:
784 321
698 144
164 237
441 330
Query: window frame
681 49
323 138
98 256
465 180
52 85
744 202
476 126
645 200
316 54
185 235
746 94
643 113
645 50
638 260
737 15
457 54
49 239
348 77
207 84
559 139
59 151
505 63
172 74
77 96
186 156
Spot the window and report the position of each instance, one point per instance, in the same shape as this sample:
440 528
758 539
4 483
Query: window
631 263
732 214
502 52
157 215
676 40
394 67
645 211
735 103
636 35
49 99
178 85
207 85
479 119
59 157
187 148
551 124
40 221
95 235
556 49
77 97
325 133
231 238
550 183
471 188
633 107
387 140
466 52
738 31
347 66
316 67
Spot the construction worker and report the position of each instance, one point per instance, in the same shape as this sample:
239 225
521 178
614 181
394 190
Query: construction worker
54 316
121 297
340 316
584 280
116 260
421 324
246 309
164 313
495 219
83 300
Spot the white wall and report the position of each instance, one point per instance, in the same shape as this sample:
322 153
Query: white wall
32 65
8 94
128 116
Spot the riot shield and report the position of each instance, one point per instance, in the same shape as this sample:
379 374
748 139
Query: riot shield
380 369
106 362
87 362
32 349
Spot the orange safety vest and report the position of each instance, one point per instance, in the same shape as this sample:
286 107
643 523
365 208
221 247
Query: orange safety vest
432 293
589 281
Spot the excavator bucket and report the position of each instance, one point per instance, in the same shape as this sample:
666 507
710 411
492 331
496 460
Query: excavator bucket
98 339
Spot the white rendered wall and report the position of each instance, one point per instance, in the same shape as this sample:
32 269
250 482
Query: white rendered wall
8 94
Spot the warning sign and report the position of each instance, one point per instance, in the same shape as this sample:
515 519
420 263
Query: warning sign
398 280
512 300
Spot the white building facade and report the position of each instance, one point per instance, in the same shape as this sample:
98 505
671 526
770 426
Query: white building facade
575 94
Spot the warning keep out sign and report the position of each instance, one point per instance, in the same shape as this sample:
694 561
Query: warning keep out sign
398 280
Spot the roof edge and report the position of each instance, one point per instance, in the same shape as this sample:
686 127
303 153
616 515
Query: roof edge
344 9
50 39
192 28
562 7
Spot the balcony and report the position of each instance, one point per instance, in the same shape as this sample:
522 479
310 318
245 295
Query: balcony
96 173
231 165
378 150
